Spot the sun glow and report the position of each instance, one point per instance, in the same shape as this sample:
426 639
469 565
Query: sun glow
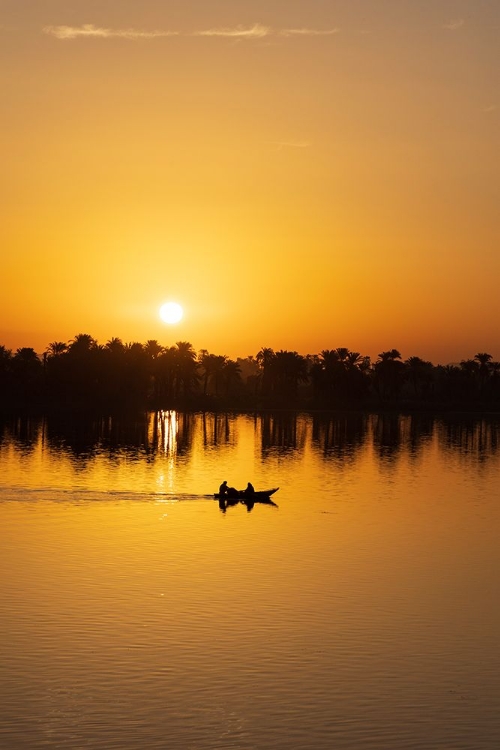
171 313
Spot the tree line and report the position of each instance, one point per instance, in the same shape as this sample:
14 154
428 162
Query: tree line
83 374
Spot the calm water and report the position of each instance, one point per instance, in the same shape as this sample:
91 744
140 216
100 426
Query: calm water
362 612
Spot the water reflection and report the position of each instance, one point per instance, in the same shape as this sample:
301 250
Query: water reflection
23 432
249 503
169 433
173 434
470 436
284 432
216 430
339 436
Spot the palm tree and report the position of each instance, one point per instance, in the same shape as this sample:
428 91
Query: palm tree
134 347
389 374
186 375
115 346
56 349
153 349
328 373
231 374
204 362
265 359
164 372
483 358
342 353
82 344
5 373
217 365
27 372
355 360
26 356
5 359
209 364
484 361
137 373
340 375
420 374
357 370
55 364
290 370
153 352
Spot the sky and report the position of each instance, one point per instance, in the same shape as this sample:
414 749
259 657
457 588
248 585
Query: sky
297 175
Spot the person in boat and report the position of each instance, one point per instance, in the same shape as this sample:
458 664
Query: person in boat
249 490
223 489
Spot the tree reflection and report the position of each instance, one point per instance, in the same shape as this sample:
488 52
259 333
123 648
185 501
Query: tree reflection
388 435
216 429
469 435
285 431
170 432
152 435
25 432
160 432
339 435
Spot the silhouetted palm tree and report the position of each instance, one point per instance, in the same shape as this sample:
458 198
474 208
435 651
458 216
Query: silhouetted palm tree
115 346
217 365
420 374
5 373
82 344
290 369
339 376
212 366
484 359
56 348
27 372
265 360
186 366
231 375
484 372
389 374
152 348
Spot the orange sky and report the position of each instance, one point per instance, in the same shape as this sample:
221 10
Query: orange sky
296 175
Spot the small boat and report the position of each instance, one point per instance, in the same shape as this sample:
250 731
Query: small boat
259 496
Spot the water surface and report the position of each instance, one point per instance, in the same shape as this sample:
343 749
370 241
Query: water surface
362 612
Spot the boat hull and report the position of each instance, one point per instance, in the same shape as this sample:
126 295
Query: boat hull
259 495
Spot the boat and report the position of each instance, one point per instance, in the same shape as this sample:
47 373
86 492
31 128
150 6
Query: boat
259 496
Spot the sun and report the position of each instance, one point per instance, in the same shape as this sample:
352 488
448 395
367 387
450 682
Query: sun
171 313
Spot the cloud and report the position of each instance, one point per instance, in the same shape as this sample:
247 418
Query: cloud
290 144
89 30
454 25
491 108
308 32
257 31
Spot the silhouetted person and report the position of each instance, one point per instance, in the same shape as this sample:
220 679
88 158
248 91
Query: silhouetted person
249 490
223 489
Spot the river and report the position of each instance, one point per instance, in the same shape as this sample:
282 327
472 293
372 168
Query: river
362 610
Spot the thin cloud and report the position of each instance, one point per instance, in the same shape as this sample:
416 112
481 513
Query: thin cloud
308 32
89 30
490 108
454 25
257 31
290 144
